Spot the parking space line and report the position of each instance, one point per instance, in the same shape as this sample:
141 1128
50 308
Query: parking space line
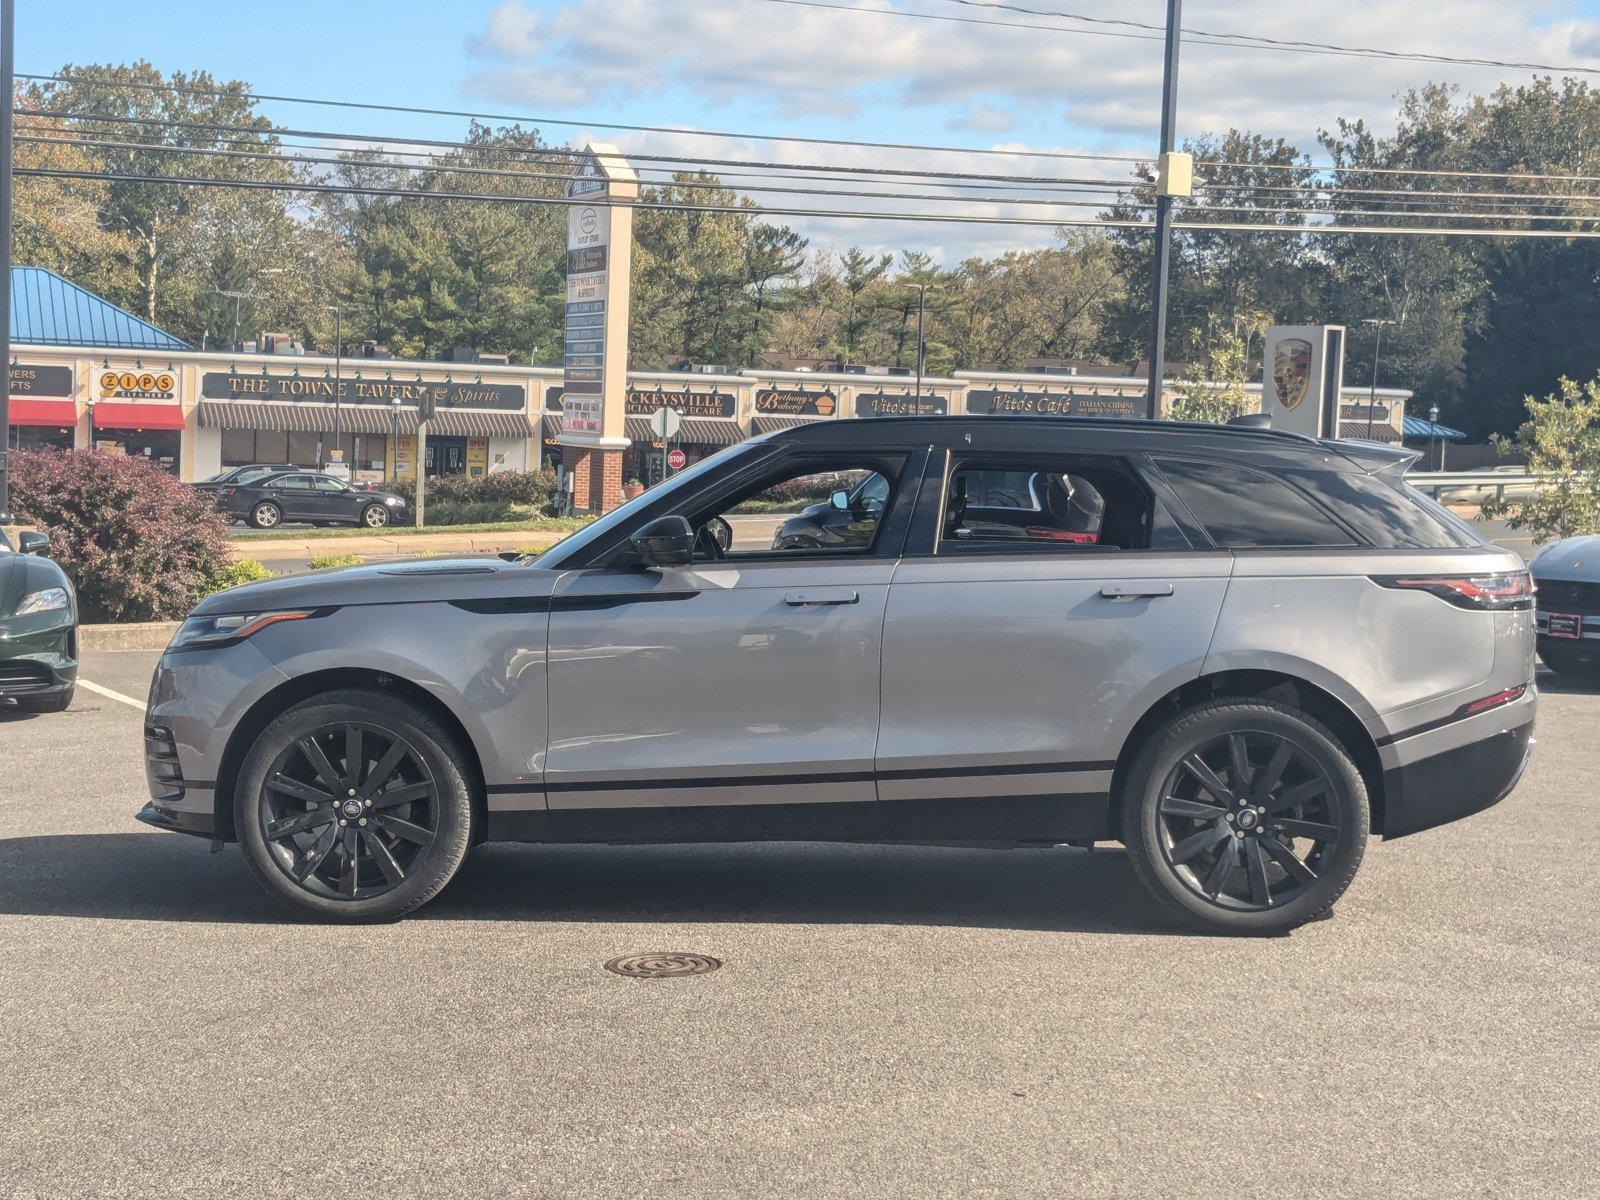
109 694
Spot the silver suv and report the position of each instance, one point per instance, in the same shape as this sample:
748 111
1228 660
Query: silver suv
1235 651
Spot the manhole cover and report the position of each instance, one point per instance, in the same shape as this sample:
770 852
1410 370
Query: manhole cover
662 966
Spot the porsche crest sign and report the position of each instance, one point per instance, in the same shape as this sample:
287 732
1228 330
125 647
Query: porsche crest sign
1302 374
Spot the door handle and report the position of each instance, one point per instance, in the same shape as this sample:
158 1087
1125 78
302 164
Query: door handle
822 596
1135 591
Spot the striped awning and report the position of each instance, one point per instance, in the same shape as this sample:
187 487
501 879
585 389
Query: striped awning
1358 431
695 431
454 422
302 418
771 424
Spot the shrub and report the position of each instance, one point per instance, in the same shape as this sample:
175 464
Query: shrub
508 487
1561 438
322 562
244 570
137 544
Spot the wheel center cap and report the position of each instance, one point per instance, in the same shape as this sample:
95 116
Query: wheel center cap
350 808
1247 819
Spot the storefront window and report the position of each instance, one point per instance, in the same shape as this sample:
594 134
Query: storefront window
36 437
160 446
239 447
304 447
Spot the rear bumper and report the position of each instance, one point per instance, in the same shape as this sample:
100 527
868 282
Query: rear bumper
1456 783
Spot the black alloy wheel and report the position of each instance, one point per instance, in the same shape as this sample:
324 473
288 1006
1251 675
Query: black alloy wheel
354 806
1251 816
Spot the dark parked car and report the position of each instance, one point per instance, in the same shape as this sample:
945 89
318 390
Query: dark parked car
1263 649
308 496
1567 573
38 627
217 484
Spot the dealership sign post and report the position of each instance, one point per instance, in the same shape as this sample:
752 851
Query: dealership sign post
1301 377
595 363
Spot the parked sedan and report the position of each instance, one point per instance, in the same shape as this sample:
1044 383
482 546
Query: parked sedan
1268 647
38 627
1567 573
311 497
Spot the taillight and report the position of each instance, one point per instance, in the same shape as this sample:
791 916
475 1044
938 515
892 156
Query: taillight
1495 593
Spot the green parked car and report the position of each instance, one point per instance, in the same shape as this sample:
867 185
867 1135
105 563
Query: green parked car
38 628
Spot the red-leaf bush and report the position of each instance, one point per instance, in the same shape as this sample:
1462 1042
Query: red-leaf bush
137 544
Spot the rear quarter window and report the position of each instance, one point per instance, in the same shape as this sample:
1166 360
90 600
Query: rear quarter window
1244 509
1387 517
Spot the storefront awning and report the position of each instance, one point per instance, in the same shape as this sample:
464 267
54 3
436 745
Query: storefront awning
59 413
303 418
453 422
109 415
695 431
1358 431
770 424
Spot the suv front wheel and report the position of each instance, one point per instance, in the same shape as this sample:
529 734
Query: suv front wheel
1246 815
354 806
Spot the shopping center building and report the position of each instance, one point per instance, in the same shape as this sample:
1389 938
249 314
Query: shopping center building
86 372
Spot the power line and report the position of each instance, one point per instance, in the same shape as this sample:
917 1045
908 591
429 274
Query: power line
831 214
264 97
1261 42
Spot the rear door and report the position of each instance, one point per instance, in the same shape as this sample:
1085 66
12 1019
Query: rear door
1019 652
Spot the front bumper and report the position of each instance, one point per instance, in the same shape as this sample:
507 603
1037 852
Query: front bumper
201 824
1455 783
38 662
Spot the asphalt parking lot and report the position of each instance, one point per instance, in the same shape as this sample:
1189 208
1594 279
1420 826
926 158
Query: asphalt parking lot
888 1022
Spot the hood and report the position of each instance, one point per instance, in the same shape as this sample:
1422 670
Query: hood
421 581
1569 558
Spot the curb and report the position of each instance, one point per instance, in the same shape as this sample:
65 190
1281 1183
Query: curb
136 635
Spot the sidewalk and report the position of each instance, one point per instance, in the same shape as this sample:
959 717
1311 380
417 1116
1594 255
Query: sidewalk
372 545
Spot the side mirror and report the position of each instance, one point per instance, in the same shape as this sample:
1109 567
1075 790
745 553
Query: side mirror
665 542
34 542
841 501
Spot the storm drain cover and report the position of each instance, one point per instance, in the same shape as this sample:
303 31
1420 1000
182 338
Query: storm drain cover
662 965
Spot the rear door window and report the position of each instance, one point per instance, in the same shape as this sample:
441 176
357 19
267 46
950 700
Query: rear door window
1048 504
1242 509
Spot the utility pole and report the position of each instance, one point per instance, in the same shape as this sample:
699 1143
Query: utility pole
8 30
922 346
338 378
1174 178
1372 397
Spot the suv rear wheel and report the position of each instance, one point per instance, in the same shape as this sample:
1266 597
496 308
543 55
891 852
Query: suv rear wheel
354 806
1247 815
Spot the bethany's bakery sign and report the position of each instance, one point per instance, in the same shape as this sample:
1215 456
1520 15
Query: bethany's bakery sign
1017 402
797 402
236 385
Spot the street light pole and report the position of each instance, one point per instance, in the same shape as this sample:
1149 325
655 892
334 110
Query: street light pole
1377 349
338 375
922 346
8 29
1167 186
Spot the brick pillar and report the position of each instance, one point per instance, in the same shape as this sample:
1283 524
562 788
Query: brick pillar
597 480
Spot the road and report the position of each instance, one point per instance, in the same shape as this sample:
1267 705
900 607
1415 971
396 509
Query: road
892 1022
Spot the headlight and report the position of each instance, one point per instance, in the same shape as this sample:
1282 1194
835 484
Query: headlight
394 500
225 630
46 600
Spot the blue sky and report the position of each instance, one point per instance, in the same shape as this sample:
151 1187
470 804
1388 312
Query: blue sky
756 66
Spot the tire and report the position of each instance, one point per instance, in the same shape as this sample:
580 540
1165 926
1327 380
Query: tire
45 704
266 515
1209 860
1568 660
374 516
281 787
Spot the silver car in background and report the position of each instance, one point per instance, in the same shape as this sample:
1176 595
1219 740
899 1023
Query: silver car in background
1567 574
1235 651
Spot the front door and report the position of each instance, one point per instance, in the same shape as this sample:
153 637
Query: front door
1059 604
736 696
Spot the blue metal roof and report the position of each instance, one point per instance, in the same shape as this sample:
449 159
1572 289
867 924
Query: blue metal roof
1418 427
47 310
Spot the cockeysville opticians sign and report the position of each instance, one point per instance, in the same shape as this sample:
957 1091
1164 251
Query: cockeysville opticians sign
233 385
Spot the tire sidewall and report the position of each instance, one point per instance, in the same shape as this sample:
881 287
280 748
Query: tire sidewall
429 874
1194 728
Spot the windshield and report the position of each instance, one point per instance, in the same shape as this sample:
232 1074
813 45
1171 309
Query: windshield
571 545
220 476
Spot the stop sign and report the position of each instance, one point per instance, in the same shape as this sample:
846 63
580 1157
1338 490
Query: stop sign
676 459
